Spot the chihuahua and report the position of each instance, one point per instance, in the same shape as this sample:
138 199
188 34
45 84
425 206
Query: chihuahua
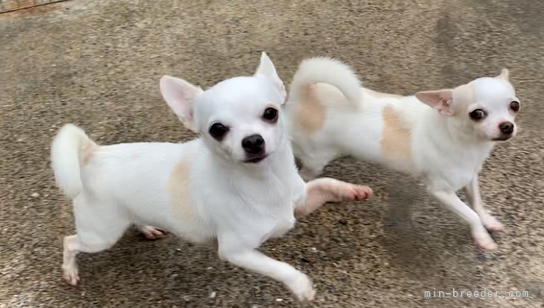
234 186
441 136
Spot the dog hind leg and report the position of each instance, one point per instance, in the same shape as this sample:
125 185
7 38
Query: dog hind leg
151 233
313 165
98 226
323 190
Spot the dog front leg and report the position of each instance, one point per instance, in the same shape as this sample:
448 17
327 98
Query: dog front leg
323 190
479 232
475 199
257 262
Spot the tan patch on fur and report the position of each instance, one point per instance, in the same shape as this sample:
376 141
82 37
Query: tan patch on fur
180 197
466 94
383 95
397 137
310 113
88 152
331 95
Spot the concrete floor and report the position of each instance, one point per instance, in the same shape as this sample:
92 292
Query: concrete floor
97 64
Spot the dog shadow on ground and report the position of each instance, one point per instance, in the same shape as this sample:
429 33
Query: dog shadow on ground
168 272
421 239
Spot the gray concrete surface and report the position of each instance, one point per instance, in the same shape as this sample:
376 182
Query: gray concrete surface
97 64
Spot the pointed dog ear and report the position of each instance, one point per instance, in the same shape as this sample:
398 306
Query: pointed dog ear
441 100
505 75
181 95
267 70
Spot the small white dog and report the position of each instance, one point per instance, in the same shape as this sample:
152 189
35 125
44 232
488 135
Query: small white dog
235 186
442 136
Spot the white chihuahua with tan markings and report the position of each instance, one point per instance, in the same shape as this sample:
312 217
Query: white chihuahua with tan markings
235 186
442 136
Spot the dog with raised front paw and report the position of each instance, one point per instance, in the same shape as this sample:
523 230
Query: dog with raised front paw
442 136
235 186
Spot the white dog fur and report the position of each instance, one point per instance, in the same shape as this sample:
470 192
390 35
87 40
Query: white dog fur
431 134
207 190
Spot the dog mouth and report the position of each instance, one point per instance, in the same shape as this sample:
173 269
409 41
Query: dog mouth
502 138
256 159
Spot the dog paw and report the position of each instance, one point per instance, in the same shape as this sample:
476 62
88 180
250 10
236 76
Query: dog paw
70 274
337 191
349 192
484 241
493 225
151 233
303 288
359 192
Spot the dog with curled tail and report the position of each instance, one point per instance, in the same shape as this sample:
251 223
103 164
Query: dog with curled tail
236 185
442 136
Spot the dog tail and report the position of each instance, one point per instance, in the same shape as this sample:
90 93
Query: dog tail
66 156
326 70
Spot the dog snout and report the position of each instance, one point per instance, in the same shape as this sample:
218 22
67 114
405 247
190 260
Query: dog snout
506 128
253 144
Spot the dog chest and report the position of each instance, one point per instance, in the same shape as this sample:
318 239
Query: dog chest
276 214
453 169
451 176
278 227
281 219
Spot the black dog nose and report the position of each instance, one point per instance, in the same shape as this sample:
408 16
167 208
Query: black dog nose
253 144
506 127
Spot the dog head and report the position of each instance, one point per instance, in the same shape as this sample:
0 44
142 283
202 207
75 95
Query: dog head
238 118
484 108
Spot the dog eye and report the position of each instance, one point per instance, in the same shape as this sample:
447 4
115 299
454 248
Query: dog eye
477 114
271 115
218 130
514 106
